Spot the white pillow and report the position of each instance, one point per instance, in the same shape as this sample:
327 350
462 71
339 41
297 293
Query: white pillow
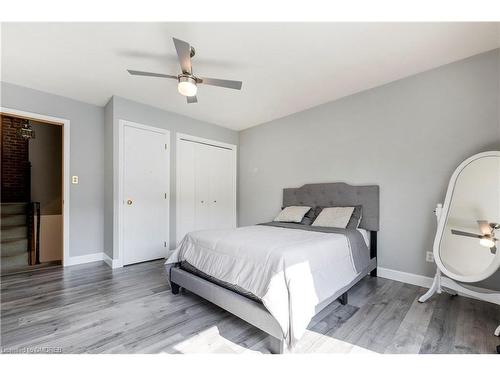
292 214
335 217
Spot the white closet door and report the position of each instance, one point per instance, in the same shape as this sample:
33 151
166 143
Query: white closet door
186 188
203 168
221 188
206 187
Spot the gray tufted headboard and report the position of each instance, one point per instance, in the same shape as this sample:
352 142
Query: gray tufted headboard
341 194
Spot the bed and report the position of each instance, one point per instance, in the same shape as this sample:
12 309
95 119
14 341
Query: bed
277 276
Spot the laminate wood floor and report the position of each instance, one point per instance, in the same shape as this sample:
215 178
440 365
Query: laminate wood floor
93 309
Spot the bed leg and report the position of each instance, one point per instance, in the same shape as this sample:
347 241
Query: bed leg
373 251
343 299
175 288
276 346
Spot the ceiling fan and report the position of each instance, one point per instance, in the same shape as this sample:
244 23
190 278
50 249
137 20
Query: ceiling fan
187 81
487 236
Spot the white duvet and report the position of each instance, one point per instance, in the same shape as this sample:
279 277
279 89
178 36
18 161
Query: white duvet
290 270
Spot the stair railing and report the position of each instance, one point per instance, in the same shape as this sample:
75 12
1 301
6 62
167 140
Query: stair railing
33 218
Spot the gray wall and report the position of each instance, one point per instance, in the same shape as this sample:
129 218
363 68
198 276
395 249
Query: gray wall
86 159
407 136
93 139
124 109
45 154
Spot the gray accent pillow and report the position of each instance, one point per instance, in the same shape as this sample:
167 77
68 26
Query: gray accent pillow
356 216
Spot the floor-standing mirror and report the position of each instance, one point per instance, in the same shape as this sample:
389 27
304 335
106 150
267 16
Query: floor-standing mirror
467 247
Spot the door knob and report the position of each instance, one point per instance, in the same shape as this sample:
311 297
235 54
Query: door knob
129 202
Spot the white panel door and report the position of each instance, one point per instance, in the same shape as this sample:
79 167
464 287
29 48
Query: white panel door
145 201
206 186
221 188
204 164
186 188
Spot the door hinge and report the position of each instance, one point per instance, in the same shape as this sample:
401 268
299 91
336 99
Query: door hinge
165 146
164 243
165 195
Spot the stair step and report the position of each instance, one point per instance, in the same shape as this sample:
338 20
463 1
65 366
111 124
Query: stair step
14 246
9 232
13 219
13 208
13 262
33 268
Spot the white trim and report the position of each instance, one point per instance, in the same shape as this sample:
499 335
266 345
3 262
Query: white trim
66 170
205 140
117 260
113 263
424 281
404 277
212 142
81 259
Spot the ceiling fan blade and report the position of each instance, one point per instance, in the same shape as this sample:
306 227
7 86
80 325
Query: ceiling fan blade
184 54
466 234
149 74
191 99
484 227
221 83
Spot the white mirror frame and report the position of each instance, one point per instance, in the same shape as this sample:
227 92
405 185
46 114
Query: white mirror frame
495 264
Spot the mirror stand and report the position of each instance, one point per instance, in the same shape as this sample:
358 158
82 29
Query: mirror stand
438 286
445 284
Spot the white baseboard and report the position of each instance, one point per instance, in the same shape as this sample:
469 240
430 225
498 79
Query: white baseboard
405 277
96 257
419 280
113 263
81 259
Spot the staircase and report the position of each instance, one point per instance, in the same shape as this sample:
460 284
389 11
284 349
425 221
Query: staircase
14 237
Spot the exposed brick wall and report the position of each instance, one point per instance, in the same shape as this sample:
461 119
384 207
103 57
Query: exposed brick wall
15 162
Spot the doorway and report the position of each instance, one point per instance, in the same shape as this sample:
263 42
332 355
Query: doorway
32 233
144 192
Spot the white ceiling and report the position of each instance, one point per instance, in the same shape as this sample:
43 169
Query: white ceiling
285 67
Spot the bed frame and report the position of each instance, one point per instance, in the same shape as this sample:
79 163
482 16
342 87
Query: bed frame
325 194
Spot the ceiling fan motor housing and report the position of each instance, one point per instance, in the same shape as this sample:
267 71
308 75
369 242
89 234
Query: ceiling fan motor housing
187 78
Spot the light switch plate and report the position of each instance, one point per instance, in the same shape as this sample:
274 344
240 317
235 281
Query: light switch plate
74 179
429 257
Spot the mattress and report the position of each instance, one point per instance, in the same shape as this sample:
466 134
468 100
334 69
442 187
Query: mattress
237 289
290 269
234 288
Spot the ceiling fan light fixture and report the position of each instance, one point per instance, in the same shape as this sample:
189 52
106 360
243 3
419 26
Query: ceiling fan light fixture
187 86
188 83
487 241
